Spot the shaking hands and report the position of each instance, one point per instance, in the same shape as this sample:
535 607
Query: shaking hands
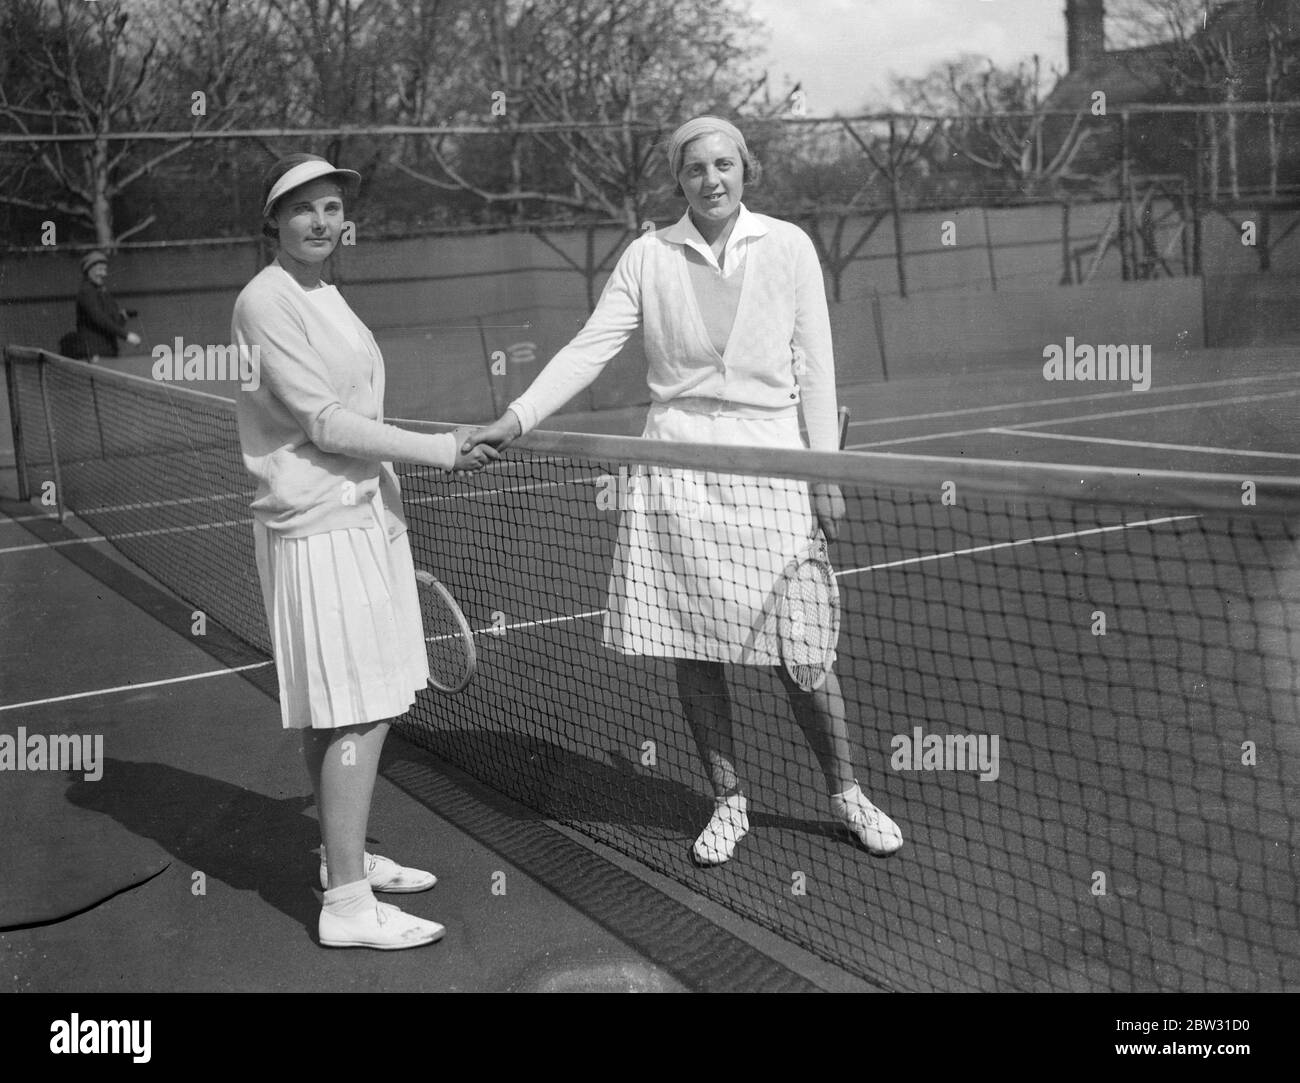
500 434
474 459
476 448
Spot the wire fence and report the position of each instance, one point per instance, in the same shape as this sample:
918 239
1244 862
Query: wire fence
481 178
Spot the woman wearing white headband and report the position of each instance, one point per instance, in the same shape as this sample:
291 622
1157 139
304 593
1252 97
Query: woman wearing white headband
738 338
335 565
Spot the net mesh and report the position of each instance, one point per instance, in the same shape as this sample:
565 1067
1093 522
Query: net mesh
1080 712
809 614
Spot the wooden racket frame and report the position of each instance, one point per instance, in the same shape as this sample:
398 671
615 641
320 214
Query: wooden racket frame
429 580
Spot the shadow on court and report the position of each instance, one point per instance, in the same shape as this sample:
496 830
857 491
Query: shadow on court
198 777
247 840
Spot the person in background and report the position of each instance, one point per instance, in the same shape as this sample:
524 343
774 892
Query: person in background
101 322
738 340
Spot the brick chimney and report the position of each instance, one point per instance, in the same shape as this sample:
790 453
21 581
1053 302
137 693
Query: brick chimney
1085 32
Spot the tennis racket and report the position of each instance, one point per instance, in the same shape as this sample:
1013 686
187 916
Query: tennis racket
808 626
452 657
808 623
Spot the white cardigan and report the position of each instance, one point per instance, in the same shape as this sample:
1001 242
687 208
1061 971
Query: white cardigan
779 354
312 432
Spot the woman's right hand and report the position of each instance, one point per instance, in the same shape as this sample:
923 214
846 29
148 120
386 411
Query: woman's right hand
501 433
478 455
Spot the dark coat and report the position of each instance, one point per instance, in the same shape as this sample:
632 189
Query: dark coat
101 322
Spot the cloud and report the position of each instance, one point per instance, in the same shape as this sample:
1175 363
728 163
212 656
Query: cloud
844 51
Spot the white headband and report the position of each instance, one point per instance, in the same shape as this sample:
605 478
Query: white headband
695 128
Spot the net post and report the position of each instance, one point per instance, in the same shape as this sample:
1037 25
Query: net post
99 421
16 425
54 447
878 319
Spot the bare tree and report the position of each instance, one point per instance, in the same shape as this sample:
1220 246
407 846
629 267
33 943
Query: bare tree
607 75
999 124
581 91
1281 62
1224 52
91 70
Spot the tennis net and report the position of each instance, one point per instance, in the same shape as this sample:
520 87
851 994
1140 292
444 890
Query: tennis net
1075 691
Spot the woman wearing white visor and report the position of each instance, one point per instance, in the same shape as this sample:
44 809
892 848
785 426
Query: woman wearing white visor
337 575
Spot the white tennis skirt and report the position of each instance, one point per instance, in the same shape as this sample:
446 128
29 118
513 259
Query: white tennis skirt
700 555
345 623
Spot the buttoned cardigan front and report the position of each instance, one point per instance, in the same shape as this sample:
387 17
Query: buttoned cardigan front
778 355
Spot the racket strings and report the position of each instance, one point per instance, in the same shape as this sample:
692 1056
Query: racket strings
809 613
446 654
809 623
449 642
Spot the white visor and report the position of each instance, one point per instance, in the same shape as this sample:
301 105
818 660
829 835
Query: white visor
306 172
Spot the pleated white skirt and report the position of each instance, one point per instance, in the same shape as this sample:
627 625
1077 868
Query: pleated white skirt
345 624
700 554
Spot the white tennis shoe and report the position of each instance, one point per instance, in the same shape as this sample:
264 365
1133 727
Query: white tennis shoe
726 827
382 926
384 874
866 823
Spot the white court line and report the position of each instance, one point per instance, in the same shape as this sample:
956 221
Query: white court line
1167 408
1079 417
1014 544
1171 388
166 503
601 612
475 493
134 687
467 494
1145 444
493 630
99 538
929 558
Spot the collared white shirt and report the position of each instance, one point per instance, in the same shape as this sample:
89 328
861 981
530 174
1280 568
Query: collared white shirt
748 225
778 354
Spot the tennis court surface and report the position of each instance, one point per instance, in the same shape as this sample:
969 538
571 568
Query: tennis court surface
1075 688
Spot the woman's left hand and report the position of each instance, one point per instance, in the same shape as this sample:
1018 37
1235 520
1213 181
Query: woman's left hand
828 506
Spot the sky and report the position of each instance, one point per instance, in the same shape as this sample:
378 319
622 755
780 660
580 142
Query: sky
844 51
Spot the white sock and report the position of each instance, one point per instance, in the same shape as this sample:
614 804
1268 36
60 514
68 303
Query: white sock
850 792
322 854
365 856
348 900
